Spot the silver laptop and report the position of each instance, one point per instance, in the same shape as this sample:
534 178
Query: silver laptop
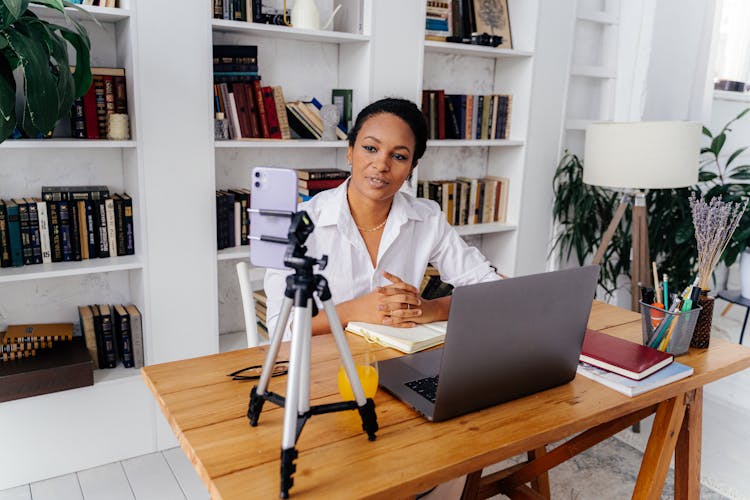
505 339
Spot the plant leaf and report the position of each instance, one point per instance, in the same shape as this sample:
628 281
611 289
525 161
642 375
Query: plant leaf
15 7
707 132
82 75
52 4
7 99
40 85
734 155
717 143
706 176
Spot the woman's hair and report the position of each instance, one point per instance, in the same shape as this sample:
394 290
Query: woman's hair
404 109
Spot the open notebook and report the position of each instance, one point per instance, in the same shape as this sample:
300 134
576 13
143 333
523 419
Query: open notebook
406 340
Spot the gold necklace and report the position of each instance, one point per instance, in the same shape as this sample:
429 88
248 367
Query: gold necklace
371 229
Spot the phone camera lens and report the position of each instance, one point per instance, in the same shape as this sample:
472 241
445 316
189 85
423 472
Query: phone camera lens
257 174
257 184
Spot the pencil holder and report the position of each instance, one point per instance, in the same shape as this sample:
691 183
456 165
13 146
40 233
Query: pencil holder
668 331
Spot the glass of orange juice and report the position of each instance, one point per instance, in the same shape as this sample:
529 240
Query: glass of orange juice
367 371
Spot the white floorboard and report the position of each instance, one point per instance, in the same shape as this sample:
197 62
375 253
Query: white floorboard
58 488
17 493
151 478
191 484
107 482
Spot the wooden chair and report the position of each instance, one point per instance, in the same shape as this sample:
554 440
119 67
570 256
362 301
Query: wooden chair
248 304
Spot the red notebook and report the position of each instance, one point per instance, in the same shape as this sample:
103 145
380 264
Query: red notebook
621 356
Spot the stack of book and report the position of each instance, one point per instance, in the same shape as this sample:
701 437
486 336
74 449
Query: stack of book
42 358
232 221
107 95
438 21
461 116
627 367
113 334
312 182
100 3
259 297
68 223
468 200
23 341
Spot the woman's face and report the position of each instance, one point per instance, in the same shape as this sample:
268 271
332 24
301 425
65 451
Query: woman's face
381 157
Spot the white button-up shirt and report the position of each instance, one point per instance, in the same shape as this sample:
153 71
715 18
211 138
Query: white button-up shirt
415 234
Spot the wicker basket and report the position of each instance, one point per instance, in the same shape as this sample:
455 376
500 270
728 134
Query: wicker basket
702 334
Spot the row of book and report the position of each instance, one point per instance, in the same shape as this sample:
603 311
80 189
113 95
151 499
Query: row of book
113 334
259 297
68 223
461 116
256 111
236 10
107 95
312 182
23 341
232 221
469 200
100 3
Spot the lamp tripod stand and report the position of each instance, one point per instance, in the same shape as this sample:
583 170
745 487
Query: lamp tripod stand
639 258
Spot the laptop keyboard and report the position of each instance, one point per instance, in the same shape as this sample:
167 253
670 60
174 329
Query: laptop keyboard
426 387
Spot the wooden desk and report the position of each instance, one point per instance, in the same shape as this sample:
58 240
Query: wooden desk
207 413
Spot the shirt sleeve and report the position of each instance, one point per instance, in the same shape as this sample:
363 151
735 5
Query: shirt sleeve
274 285
458 263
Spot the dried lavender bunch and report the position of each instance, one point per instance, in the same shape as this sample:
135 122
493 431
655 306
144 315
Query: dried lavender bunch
714 224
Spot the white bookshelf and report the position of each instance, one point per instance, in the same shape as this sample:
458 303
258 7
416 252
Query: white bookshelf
305 63
45 293
478 70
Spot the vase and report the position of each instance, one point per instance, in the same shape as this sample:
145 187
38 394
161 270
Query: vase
305 15
702 332
745 274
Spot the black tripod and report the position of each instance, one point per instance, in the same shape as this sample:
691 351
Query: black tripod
300 288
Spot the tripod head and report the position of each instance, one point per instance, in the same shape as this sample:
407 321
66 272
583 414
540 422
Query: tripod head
295 257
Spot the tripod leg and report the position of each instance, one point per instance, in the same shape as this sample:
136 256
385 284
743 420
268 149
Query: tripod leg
255 405
366 406
291 404
303 405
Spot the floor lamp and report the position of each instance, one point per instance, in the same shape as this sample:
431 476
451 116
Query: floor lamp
633 158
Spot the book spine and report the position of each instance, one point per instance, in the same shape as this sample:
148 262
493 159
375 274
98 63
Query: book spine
252 107
63 213
119 207
83 232
23 221
54 230
101 105
36 237
269 105
108 341
92 229
75 230
129 230
121 94
109 207
91 123
78 119
136 333
41 208
124 341
4 237
100 213
261 109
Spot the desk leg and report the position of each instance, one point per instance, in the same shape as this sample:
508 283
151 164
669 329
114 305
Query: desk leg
541 483
687 458
660 447
744 324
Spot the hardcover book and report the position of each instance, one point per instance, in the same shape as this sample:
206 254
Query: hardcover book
406 340
40 332
86 317
136 333
672 373
621 356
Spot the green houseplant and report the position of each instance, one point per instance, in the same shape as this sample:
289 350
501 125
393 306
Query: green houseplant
37 50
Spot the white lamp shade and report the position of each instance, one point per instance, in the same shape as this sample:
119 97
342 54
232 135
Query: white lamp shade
642 155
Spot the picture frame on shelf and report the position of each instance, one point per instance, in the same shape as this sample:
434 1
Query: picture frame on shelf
492 17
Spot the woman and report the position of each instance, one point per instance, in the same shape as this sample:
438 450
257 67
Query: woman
378 239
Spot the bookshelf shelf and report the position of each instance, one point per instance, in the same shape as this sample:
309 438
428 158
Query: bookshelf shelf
63 269
488 228
118 374
276 143
579 123
447 143
727 95
473 50
66 143
593 71
599 17
84 13
234 253
273 31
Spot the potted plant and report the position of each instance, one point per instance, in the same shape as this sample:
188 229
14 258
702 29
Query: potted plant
727 180
37 52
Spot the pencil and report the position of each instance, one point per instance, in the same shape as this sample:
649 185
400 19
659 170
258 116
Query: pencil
656 282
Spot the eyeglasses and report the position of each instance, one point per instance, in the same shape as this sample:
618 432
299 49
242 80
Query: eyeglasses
254 372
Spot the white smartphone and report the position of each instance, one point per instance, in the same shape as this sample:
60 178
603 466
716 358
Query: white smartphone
271 189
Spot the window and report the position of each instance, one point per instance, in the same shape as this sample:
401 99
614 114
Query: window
732 60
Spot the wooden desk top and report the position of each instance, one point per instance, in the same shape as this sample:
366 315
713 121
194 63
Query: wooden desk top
206 410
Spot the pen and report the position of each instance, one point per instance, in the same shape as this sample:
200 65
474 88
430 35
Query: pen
666 291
